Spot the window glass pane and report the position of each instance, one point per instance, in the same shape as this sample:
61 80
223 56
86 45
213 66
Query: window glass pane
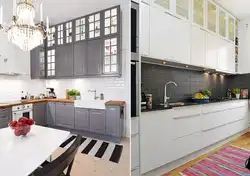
91 34
113 29
107 14
107 22
114 41
114 20
113 50
107 68
107 31
91 18
91 26
113 12
107 60
107 51
107 42
113 68
114 59
97 17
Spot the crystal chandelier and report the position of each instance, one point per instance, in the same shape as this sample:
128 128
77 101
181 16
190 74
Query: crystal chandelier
22 31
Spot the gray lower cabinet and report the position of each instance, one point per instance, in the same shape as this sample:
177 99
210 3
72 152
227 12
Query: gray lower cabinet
95 57
80 58
82 119
51 113
64 61
5 117
65 115
113 121
97 121
39 114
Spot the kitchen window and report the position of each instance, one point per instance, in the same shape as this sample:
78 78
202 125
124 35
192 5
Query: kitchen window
51 63
51 37
110 61
60 34
110 21
42 63
69 32
94 26
80 29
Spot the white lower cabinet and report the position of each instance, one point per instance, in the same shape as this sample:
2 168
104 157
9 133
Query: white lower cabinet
198 46
144 31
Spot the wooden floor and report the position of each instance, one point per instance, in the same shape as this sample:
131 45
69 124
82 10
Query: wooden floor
242 142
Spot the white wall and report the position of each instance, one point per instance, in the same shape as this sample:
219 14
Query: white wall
113 88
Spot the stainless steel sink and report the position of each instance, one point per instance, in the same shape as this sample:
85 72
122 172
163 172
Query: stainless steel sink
173 104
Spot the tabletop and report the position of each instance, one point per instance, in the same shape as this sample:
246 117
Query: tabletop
20 156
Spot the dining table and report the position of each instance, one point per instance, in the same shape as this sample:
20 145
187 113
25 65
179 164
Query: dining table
20 156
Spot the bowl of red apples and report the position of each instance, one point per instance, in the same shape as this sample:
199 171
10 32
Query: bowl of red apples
22 126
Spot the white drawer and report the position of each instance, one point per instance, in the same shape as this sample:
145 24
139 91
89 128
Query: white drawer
187 145
237 126
186 125
135 151
135 172
186 111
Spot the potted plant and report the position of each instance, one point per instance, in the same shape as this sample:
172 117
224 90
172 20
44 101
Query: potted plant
207 93
236 92
78 95
72 94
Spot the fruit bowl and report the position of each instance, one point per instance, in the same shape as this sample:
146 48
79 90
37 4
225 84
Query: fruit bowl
22 126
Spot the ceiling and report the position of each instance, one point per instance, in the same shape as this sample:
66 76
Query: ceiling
239 8
62 10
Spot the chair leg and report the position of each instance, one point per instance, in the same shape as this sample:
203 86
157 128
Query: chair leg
69 168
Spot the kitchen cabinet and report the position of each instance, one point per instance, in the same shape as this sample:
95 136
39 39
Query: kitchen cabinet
198 46
231 28
51 113
82 119
39 114
65 115
37 63
161 4
113 121
162 35
222 23
95 57
211 16
198 12
64 61
212 51
80 58
135 151
5 117
182 8
145 32
97 121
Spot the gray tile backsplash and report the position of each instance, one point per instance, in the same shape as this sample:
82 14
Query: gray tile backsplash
154 77
240 81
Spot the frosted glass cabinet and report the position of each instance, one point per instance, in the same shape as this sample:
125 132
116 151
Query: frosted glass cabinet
211 16
182 8
198 12
222 23
163 3
231 28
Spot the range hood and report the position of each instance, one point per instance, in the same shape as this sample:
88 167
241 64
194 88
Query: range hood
8 67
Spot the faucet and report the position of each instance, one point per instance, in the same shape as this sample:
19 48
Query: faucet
95 94
166 98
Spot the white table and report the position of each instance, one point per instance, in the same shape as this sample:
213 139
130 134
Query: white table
20 156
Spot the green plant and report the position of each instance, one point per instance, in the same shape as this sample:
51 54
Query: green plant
72 92
236 91
207 92
78 93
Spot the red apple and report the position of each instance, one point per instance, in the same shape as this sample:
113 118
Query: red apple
23 120
26 129
13 124
17 132
30 121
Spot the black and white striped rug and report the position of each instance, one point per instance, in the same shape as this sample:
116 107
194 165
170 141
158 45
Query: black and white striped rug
96 148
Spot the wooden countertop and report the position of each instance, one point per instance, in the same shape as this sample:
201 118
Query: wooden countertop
115 103
63 100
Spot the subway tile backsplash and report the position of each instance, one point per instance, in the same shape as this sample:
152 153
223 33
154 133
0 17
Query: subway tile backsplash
154 78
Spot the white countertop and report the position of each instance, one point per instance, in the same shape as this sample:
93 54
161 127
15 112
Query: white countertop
20 156
90 104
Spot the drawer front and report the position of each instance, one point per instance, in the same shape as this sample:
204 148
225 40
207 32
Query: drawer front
66 104
134 151
186 111
5 111
216 119
237 126
186 145
186 126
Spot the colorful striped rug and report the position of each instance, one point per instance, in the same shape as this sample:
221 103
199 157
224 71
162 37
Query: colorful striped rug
229 161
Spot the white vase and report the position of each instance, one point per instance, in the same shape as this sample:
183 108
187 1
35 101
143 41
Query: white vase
238 96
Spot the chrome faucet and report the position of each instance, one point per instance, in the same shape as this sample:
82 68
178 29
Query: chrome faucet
96 97
166 98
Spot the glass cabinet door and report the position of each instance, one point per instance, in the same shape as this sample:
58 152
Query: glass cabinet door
236 32
163 3
198 12
222 23
211 16
182 8
231 28
51 63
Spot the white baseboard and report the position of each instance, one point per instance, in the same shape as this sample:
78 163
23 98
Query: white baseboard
175 164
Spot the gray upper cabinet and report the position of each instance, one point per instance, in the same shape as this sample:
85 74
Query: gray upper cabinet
113 126
64 61
95 57
51 113
37 63
80 58
82 119
39 114
97 121
5 117
65 115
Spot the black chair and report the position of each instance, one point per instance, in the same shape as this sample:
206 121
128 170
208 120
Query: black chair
56 167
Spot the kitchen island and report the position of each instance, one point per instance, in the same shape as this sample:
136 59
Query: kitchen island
173 136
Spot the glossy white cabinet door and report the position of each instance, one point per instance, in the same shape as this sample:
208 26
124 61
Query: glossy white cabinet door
222 55
181 42
161 35
244 61
212 51
198 46
144 34
135 151
231 57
